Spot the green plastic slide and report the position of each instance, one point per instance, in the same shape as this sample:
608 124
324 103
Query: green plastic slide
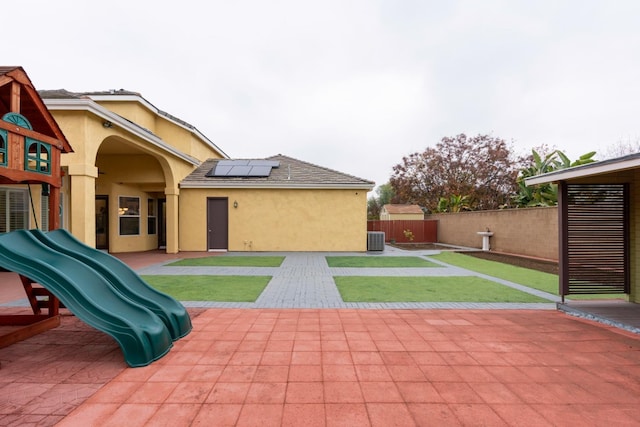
142 335
122 278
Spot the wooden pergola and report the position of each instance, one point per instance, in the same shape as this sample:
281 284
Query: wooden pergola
31 143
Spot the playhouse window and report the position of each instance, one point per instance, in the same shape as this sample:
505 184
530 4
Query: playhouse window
151 216
3 147
129 215
14 210
37 156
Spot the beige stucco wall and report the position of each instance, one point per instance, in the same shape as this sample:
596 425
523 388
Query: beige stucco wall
147 171
279 219
530 232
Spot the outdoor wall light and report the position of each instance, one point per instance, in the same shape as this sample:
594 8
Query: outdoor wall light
235 203
107 124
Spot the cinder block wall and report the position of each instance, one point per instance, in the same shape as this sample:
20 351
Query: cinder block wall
530 232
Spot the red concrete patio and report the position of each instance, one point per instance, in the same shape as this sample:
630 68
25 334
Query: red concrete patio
332 367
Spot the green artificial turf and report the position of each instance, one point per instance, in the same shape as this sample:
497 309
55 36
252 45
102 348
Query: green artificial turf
427 289
523 276
230 261
210 288
379 261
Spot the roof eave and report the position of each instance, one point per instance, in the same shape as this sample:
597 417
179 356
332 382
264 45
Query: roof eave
591 169
367 187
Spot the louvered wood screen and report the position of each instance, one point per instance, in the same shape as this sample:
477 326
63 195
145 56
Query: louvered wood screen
596 239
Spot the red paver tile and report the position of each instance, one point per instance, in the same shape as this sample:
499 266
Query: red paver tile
276 358
170 373
306 358
115 392
521 415
336 358
248 345
217 415
305 373
366 358
372 373
245 358
495 393
419 392
339 373
342 392
380 392
238 373
507 374
332 335
152 392
457 393
204 373
533 393
228 393
362 345
254 414
131 414
406 372
427 358
305 392
390 414
476 414
433 414
335 345
302 335
389 345
190 392
174 414
313 414
90 414
306 346
268 373
279 345
440 373
272 393
474 374
347 415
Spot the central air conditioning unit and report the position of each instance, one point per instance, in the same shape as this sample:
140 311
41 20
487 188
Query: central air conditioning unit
375 240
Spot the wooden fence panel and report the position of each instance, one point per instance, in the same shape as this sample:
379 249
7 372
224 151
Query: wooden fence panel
422 231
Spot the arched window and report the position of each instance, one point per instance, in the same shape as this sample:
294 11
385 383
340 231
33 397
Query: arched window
3 147
37 156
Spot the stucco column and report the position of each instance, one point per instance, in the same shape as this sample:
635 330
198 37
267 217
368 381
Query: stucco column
171 195
82 219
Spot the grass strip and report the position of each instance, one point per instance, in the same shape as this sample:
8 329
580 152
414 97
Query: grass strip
210 288
428 289
379 261
523 276
230 261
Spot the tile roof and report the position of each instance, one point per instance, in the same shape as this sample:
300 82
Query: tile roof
292 173
403 209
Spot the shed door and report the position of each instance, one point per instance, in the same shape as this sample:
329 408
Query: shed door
217 224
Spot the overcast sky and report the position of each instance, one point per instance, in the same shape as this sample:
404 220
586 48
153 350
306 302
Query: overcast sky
350 85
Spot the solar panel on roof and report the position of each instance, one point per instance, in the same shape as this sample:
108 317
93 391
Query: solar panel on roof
243 168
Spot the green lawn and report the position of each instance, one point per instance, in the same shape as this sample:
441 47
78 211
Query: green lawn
427 289
210 288
522 276
230 261
378 261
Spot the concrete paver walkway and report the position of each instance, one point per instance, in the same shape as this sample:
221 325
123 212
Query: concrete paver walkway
304 280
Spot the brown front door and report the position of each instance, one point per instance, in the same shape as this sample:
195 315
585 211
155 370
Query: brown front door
217 223
102 222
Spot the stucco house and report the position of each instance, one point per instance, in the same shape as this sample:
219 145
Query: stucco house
392 212
131 184
598 226
273 204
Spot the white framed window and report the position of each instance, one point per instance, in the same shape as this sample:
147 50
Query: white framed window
14 209
129 215
151 217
